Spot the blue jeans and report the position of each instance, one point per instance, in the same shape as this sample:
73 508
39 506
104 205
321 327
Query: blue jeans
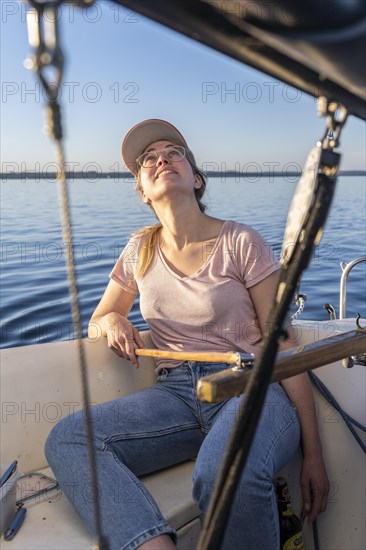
161 426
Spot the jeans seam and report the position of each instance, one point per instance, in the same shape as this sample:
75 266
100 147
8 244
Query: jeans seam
184 401
194 381
143 435
275 441
164 529
140 487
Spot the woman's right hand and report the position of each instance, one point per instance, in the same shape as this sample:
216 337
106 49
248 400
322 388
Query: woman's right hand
123 338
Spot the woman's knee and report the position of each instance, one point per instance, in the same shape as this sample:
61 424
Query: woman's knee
256 478
204 478
67 431
275 441
202 491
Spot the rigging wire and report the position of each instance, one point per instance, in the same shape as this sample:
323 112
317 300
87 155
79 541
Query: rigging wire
42 22
75 312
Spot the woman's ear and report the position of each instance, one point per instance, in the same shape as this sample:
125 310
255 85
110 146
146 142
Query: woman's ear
145 198
197 181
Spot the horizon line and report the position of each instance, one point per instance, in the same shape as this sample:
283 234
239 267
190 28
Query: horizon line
92 174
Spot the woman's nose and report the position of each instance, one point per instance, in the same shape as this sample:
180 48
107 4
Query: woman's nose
162 158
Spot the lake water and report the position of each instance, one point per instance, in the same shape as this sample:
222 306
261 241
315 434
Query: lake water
34 294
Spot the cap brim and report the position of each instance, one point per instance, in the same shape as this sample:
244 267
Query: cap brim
144 133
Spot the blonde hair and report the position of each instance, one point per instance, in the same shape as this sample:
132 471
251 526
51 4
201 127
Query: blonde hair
149 235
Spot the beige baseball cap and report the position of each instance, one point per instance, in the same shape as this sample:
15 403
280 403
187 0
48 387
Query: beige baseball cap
144 133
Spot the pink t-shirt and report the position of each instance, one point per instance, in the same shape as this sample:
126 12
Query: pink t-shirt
210 310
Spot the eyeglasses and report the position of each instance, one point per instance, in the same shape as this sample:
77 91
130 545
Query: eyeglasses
173 153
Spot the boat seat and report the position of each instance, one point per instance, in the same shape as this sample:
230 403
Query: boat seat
51 523
40 385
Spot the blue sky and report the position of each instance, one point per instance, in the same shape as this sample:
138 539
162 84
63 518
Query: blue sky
122 68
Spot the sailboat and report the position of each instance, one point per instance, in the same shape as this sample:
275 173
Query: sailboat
319 49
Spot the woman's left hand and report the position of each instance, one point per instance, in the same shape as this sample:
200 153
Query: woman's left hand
314 486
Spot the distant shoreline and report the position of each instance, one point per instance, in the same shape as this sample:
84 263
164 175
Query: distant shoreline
94 176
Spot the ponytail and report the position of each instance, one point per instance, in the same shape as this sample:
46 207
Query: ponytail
149 237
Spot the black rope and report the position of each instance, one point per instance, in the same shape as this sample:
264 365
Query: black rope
346 417
244 429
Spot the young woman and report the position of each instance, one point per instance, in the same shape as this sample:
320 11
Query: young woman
204 284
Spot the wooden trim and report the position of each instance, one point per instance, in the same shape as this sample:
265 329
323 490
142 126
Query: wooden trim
231 382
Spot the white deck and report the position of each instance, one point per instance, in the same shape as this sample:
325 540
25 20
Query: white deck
40 384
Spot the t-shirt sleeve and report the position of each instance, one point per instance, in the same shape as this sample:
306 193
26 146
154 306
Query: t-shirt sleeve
256 258
124 270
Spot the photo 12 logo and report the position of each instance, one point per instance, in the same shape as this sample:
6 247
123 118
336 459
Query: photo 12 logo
71 92
90 11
